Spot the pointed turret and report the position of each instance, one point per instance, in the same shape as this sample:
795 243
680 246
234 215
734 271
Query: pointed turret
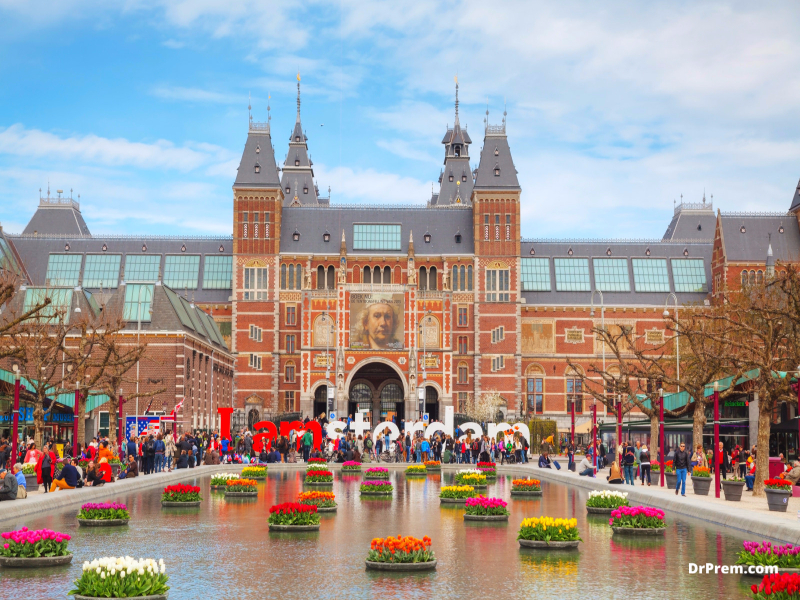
257 169
455 180
496 168
298 175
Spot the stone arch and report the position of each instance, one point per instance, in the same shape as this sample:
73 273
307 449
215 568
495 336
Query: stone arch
377 359
535 369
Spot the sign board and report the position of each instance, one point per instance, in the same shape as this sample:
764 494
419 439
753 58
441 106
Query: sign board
145 423
421 392
331 393
331 416
426 418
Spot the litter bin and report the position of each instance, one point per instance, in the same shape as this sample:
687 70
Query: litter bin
776 467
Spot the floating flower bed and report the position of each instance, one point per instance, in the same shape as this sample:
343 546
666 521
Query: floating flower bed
219 479
401 554
470 477
34 548
377 473
526 487
767 554
546 532
488 468
317 463
103 514
486 509
293 516
324 501
605 502
638 520
433 465
351 465
783 586
241 487
456 492
377 488
122 577
416 470
254 472
181 495
317 476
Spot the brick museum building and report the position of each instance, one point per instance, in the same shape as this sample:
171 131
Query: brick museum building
392 309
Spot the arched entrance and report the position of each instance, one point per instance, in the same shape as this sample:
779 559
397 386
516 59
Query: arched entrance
321 400
432 403
377 388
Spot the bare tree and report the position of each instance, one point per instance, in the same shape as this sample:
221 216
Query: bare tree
13 313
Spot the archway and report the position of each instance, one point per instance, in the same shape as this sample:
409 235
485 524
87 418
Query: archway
432 403
376 386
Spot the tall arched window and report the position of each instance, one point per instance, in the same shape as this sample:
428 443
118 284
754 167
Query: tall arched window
291 277
320 277
463 372
387 275
298 278
423 279
376 275
290 372
454 278
432 279
744 279
752 277
469 278
283 277
331 277
361 394
367 275
760 276
535 389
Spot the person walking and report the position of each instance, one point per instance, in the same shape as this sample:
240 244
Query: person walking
159 447
644 465
681 462
628 460
169 451
308 441
46 468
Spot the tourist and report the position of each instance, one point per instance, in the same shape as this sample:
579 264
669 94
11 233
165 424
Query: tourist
9 485
183 460
105 470
699 457
105 451
794 474
283 447
602 452
644 465
93 476
723 460
457 448
68 479
407 444
681 462
615 475
160 449
20 475
585 468
132 469
46 467
628 460
169 450
308 441
744 459
517 449
750 476
545 462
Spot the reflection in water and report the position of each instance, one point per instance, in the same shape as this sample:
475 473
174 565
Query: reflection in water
225 545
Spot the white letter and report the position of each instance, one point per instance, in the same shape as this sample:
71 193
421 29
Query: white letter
394 432
447 427
493 428
692 568
359 426
474 427
709 567
334 429
724 569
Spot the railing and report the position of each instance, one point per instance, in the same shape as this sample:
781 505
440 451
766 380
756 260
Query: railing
323 293
611 241
496 129
121 236
694 206
381 207
58 201
259 126
757 214
376 287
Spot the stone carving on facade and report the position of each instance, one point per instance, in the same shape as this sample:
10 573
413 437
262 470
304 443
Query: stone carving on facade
306 278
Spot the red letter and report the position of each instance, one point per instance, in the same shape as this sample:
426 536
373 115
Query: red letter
313 426
225 421
270 434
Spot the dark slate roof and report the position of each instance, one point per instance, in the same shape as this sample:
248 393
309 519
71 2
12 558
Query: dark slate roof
35 252
759 230
57 216
619 249
460 187
257 152
692 224
796 200
496 153
298 172
456 135
312 222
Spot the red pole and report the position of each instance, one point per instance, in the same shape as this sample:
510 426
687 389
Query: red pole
661 435
619 428
121 423
594 436
717 456
798 414
75 420
15 422
572 431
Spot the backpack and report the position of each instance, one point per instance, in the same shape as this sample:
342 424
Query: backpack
476 446
368 444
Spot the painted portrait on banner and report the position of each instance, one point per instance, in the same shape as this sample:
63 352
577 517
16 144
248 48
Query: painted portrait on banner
376 321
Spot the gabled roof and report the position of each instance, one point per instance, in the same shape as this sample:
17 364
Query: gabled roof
748 236
692 221
257 168
496 155
57 215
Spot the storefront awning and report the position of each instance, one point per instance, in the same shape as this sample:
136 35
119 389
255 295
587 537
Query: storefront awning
95 399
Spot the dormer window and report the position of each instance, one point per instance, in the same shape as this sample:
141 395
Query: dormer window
258 149
66 247
457 150
450 178
647 252
221 248
326 237
296 162
458 238
533 251
464 177
686 252
297 138
743 229
569 251
780 229
427 237
183 248
496 152
296 236
144 247
608 251
699 227
288 190
305 189
258 168
497 171
105 247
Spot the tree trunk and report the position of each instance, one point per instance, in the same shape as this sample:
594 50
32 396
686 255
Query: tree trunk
762 445
113 421
38 423
699 421
654 443
81 412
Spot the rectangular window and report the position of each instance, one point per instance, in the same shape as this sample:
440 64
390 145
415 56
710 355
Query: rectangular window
255 333
101 271
138 297
142 268
498 334
572 274
181 272
508 227
497 285
463 316
288 401
575 395
498 363
291 315
266 225
486 227
59 307
290 372
255 283
376 237
217 272
463 374
103 424
689 275
462 402
63 270
290 344
650 275
255 225
611 275
536 395
463 344
536 274
255 362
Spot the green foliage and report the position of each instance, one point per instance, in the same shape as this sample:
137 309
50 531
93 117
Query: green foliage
541 429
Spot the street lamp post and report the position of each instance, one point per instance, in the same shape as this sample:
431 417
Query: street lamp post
425 317
661 431
716 439
325 315
798 413
75 417
120 422
594 437
15 419
677 334
619 422
572 429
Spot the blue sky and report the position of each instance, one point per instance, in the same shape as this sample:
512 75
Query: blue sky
615 109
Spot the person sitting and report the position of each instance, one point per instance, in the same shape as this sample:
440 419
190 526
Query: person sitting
794 474
616 474
68 480
20 475
105 452
8 485
183 461
750 477
263 456
93 476
544 461
585 468
132 469
104 469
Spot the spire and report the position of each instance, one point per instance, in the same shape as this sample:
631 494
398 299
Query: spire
269 116
249 108
456 123
298 97
343 246
411 243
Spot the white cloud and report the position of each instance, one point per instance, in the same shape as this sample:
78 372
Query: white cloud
184 94
349 185
404 149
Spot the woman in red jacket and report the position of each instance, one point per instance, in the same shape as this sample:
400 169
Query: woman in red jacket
46 467
105 470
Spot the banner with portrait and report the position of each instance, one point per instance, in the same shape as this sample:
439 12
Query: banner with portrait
376 321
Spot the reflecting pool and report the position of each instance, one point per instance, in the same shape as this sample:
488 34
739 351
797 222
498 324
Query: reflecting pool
223 548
